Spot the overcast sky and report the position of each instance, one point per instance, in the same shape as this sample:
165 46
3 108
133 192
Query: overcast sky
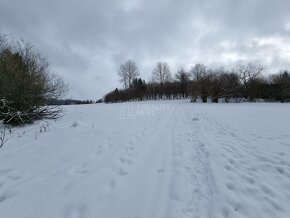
85 41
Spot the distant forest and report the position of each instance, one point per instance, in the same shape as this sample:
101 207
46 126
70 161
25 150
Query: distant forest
68 101
200 83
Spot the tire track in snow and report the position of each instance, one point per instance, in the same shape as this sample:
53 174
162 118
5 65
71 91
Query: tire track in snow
244 171
198 168
181 185
160 175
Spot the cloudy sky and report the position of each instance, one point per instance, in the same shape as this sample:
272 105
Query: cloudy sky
86 41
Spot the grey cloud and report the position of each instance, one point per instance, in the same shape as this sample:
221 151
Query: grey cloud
86 41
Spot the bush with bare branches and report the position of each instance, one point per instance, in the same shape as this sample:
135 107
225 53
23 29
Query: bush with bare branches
26 84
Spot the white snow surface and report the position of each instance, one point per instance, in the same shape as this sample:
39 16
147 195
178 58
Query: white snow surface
155 159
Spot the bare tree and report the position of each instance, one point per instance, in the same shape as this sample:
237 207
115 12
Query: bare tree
182 78
201 81
127 73
281 82
161 73
198 71
216 83
247 73
230 85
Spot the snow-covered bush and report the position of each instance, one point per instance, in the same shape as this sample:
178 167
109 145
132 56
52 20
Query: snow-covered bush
75 124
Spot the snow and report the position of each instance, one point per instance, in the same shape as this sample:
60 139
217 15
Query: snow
150 159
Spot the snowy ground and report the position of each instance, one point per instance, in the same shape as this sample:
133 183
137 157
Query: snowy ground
155 159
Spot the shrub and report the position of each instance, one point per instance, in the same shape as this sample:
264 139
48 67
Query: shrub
26 85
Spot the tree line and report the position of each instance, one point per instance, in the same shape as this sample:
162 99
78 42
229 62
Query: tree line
68 102
243 82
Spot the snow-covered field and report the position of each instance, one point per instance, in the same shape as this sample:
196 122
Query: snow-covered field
150 159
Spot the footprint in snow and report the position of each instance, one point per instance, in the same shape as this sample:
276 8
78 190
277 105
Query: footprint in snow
228 168
159 171
122 172
129 148
267 190
125 161
250 180
75 211
225 212
4 196
230 186
79 170
112 183
286 144
280 170
231 161
14 177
